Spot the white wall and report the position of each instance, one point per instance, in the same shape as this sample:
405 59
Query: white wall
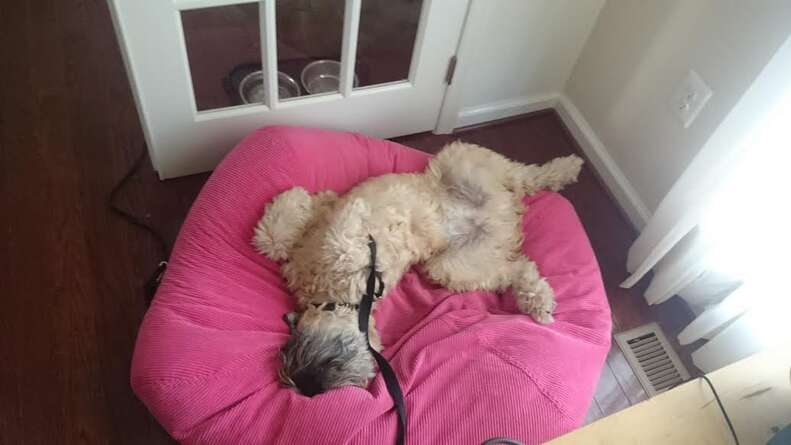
633 60
522 52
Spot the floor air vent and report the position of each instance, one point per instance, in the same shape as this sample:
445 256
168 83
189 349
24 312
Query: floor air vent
653 360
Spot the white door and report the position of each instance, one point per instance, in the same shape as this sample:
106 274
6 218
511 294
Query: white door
192 66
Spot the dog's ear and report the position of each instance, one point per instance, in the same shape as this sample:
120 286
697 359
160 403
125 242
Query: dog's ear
285 220
291 319
346 244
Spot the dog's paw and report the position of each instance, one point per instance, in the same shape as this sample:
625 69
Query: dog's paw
539 302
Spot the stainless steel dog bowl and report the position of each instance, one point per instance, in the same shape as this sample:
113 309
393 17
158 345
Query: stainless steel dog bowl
323 76
251 88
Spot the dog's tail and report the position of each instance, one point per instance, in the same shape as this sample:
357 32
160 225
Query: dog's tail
553 175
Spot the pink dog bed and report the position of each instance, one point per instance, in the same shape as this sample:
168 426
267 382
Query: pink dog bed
471 366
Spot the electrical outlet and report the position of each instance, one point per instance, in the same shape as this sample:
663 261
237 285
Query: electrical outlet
689 98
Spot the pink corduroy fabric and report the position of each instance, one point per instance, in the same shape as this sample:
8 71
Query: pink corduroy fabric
471 366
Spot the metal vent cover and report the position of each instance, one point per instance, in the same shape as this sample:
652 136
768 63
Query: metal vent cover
655 363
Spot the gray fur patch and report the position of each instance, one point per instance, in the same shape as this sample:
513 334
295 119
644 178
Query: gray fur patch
466 231
464 190
463 225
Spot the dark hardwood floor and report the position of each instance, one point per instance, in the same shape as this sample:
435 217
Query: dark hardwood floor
71 272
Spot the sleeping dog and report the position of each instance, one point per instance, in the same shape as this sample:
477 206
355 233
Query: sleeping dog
459 220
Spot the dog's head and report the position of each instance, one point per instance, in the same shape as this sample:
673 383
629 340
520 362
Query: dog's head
326 350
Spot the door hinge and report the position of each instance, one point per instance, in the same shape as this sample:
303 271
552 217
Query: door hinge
451 70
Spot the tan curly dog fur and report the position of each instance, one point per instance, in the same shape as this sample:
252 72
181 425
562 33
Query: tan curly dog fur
460 220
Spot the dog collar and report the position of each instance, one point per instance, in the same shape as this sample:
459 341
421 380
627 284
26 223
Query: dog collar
333 306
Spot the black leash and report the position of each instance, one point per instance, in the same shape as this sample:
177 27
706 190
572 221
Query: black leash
391 381
153 281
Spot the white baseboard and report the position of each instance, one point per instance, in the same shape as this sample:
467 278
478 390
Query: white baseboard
602 162
504 108
591 145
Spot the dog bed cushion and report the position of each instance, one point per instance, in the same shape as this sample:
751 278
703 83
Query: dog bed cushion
471 366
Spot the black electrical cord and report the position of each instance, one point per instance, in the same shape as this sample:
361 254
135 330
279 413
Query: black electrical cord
152 283
719 402
722 409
